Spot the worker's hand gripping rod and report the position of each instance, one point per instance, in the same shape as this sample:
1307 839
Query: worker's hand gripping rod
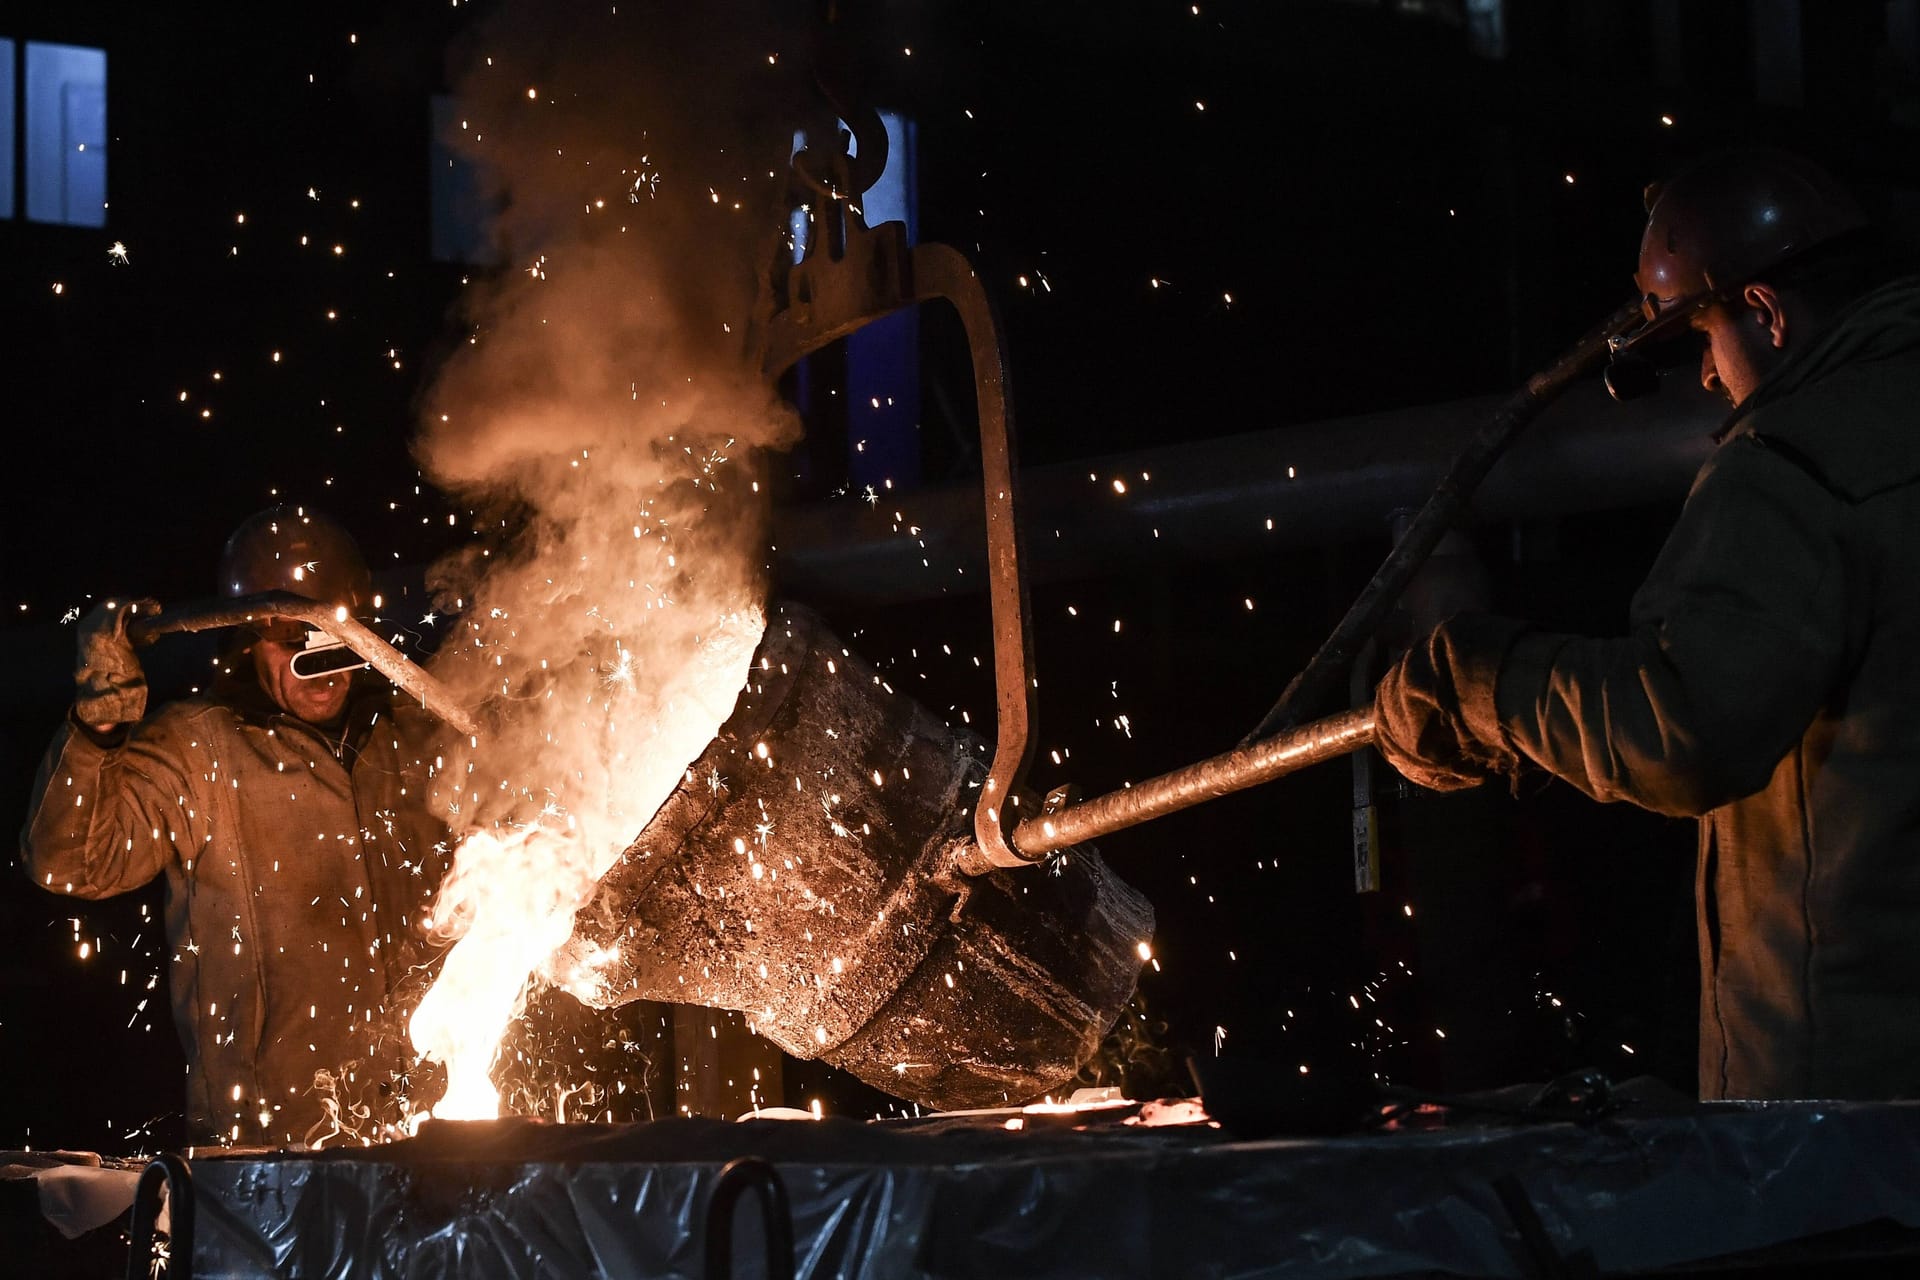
1309 689
350 631
1280 745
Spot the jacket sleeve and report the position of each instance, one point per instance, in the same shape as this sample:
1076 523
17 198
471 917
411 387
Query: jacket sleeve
107 819
1738 639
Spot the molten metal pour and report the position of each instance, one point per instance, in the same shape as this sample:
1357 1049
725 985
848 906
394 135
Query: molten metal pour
814 870
801 875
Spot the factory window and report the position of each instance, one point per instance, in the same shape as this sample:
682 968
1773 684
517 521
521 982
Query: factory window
883 359
1487 28
63 138
6 128
461 222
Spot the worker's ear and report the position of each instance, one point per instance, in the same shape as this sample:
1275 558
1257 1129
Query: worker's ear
1768 311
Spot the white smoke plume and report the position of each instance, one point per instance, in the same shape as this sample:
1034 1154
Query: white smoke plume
602 417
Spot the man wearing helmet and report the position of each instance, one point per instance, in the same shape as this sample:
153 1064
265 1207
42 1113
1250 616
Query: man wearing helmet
284 813
1768 682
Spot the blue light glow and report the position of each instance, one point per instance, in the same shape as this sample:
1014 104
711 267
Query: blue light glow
66 134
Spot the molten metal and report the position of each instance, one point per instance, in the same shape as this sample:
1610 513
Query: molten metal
797 877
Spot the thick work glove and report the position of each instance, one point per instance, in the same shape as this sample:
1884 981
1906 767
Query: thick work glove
1434 715
111 688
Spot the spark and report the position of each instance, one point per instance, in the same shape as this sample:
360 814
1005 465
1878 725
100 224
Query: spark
620 674
117 255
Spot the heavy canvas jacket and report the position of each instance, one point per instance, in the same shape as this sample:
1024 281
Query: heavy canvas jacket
296 865
1771 685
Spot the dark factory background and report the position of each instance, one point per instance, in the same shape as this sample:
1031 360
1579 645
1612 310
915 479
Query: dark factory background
1199 220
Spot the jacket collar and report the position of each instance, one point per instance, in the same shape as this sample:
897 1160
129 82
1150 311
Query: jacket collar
1880 324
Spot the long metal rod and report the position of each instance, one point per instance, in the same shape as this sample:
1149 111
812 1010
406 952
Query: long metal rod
1284 753
1311 686
381 656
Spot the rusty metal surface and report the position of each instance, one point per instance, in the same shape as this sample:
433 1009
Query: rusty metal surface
381 656
796 877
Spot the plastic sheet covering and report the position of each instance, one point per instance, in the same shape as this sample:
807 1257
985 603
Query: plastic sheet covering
77 1191
967 1198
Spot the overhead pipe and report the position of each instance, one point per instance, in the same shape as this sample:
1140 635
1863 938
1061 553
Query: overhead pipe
1248 493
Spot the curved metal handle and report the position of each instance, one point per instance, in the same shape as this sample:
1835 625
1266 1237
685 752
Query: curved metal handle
749 1173
169 1171
876 275
940 271
381 656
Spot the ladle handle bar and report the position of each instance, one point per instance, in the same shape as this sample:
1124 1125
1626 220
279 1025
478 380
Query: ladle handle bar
407 676
1285 752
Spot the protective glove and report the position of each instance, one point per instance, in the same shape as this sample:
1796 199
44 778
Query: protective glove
111 688
1434 714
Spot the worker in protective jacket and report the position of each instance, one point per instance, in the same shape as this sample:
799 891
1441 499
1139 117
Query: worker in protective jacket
1770 682
285 815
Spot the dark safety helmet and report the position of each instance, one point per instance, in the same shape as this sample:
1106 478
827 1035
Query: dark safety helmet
297 549
1724 223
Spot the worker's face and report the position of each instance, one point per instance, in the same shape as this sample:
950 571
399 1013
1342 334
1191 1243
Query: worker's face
1741 344
317 701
